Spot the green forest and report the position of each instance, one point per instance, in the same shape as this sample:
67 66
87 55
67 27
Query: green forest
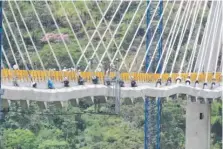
88 126
85 127
67 18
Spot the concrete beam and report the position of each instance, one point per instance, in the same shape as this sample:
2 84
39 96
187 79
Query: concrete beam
79 92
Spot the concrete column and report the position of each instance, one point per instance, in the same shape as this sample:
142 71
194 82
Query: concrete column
198 126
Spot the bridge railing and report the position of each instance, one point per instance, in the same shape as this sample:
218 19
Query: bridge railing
40 75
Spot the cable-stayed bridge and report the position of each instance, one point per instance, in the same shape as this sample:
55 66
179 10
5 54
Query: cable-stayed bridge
170 49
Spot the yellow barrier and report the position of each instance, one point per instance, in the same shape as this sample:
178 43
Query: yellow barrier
39 75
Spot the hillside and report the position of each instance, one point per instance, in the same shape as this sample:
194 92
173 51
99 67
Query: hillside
69 16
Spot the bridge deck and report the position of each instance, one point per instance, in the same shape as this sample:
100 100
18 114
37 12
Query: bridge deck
145 82
63 94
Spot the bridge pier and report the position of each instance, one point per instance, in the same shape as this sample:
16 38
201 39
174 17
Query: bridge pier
198 126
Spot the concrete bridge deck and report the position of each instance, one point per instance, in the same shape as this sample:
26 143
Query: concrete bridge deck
63 94
145 86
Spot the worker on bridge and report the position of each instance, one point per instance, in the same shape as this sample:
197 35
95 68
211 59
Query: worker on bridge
107 80
15 79
159 82
80 79
169 81
95 79
66 82
50 84
119 80
133 82
34 84
15 82
121 83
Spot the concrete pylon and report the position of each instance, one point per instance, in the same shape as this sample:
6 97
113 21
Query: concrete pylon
198 115
198 125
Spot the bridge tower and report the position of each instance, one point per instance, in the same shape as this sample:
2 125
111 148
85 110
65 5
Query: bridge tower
1 32
147 101
198 110
153 109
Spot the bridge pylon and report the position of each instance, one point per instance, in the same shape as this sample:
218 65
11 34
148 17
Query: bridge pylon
1 32
198 123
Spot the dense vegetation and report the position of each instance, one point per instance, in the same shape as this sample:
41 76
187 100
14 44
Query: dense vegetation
70 128
85 29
